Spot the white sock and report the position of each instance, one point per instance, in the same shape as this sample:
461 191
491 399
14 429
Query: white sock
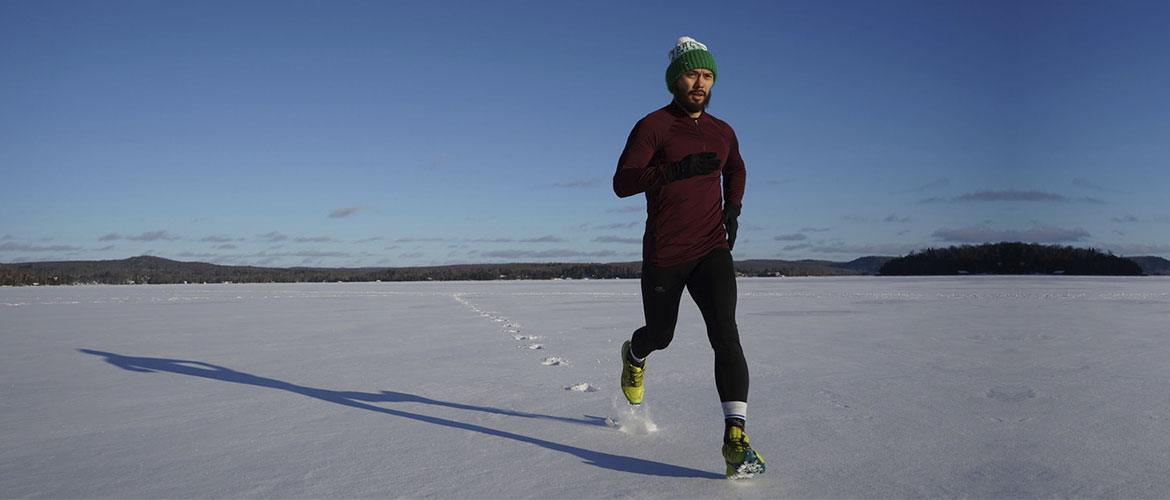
635 359
735 409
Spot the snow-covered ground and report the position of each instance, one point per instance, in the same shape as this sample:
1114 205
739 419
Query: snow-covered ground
861 387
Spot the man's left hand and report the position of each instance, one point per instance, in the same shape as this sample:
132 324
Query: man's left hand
731 221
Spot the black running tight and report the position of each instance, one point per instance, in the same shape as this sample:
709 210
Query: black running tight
711 283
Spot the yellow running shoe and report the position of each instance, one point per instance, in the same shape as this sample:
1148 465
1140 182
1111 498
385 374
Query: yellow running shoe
742 461
631 377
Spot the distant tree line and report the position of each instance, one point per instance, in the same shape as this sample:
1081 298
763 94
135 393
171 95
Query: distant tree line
1002 258
156 270
1010 258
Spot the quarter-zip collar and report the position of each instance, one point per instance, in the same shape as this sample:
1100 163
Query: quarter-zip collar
676 109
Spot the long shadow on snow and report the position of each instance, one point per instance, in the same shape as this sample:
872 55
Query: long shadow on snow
359 400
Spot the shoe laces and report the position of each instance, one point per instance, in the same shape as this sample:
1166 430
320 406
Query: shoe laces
738 438
633 374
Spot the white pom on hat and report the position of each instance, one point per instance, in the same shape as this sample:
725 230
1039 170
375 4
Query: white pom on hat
685 44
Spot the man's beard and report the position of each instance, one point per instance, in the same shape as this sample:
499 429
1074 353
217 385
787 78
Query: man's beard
684 100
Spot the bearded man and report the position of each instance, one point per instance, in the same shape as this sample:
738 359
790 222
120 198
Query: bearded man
677 156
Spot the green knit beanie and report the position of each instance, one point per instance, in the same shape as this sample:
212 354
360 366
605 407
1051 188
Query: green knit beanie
686 55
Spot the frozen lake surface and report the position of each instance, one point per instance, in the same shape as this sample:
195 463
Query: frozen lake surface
861 387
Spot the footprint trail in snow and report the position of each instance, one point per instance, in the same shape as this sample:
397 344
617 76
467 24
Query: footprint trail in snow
525 341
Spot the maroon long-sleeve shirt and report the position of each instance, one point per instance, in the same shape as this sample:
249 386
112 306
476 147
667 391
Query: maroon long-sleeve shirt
684 218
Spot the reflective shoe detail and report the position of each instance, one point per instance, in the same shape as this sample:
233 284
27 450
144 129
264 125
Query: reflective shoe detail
631 377
742 461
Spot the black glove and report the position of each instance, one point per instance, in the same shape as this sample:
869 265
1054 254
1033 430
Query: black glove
731 220
692 165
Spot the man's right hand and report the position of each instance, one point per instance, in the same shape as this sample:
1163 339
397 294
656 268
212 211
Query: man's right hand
692 165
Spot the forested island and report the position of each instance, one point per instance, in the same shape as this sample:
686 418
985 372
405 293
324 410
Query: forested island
1011 258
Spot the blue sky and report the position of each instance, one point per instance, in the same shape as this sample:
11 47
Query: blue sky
422 133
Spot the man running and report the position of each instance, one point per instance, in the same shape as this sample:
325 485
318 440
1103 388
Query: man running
676 155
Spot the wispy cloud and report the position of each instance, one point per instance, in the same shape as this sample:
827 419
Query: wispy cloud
1125 218
1082 182
203 256
937 183
491 240
814 229
313 239
17 247
855 218
791 237
339 213
1034 234
264 258
1012 196
855 249
545 254
420 240
159 235
1162 218
617 239
273 237
895 219
575 184
369 240
1140 249
543 239
617 225
632 209
216 238
798 246
317 253
932 199
1087 184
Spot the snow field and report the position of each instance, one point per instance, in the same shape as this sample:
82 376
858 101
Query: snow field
861 387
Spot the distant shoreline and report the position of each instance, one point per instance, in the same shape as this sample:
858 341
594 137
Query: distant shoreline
157 270
873 277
